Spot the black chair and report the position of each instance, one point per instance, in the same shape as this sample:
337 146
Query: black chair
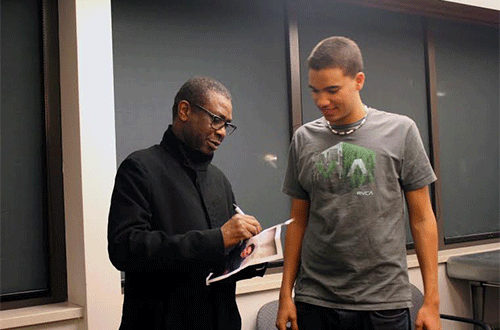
266 317
417 299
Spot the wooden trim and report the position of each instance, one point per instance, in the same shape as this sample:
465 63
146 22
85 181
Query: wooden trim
436 9
473 239
293 68
433 117
55 194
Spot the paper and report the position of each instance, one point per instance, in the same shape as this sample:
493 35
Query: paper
264 247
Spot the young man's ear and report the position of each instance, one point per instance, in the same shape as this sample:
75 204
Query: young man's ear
360 80
183 110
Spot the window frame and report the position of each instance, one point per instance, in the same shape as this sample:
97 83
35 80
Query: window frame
54 195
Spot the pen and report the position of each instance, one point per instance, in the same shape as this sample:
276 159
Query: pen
237 209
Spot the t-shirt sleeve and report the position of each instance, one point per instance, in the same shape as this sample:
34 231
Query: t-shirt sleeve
291 185
417 170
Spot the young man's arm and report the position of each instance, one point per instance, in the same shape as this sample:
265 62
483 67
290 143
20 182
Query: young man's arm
424 232
293 245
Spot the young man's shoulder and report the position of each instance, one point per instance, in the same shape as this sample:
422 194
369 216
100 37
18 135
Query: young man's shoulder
311 127
389 117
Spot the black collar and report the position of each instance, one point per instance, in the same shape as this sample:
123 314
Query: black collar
191 158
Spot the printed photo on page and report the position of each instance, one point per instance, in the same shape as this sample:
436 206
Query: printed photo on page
264 247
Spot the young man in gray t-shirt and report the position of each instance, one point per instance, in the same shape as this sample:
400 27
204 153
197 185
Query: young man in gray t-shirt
349 173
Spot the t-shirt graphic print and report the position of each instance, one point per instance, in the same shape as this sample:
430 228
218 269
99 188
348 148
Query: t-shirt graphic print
344 167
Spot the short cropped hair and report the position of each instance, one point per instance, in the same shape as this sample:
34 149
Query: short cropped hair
197 90
337 52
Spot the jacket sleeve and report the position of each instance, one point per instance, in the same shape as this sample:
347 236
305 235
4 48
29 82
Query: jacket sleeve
251 271
133 244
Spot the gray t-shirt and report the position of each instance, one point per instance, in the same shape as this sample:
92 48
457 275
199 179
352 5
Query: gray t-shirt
353 253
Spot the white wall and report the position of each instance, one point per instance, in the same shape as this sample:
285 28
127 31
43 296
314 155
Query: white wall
89 162
491 4
89 167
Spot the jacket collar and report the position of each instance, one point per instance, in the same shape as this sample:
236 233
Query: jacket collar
188 156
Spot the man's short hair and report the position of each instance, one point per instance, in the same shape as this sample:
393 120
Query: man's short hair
197 90
337 52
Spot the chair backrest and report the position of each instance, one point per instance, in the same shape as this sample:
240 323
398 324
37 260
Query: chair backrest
266 317
417 300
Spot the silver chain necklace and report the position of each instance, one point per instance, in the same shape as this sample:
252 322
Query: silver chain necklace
350 131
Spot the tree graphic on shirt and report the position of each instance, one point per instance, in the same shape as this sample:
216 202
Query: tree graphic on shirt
352 164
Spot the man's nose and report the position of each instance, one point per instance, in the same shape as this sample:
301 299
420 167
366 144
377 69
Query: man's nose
321 100
222 132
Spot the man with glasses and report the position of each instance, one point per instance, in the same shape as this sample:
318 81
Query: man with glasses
172 220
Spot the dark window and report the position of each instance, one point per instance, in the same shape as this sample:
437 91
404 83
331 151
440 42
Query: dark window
31 181
467 67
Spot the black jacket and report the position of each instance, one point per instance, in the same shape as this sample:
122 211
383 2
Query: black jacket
167 207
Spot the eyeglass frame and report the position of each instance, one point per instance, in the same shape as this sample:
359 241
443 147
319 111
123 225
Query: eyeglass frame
214 118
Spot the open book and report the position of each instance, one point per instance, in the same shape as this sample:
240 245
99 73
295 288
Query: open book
264 247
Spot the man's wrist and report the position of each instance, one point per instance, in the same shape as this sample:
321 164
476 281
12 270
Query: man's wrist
285 293
432 301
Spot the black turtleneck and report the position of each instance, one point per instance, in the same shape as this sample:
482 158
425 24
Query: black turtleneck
192 158
166 209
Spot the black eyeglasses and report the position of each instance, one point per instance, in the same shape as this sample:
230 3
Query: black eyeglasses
217 122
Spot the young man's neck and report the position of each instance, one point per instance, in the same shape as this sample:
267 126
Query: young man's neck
357 113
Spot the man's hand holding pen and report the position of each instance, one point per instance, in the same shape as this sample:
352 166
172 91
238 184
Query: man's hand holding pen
240 227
